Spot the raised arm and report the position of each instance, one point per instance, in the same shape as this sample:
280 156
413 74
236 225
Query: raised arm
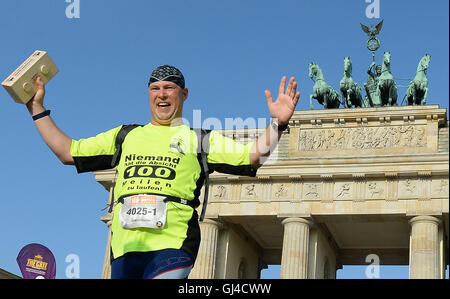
56 140
281 111
370 71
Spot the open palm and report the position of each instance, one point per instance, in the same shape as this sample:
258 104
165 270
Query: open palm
284 106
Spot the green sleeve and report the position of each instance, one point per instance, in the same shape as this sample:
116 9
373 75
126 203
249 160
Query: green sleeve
228 156
94 153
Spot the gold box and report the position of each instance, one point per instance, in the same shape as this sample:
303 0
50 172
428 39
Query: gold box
20 84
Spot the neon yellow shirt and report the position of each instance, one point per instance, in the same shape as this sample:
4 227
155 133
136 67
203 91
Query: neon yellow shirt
160 160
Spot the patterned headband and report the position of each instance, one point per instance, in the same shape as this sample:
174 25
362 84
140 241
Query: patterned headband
167 73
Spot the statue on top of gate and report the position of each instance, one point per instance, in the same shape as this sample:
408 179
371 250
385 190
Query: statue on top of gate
381 87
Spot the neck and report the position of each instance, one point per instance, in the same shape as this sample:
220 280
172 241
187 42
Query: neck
421 69
319 75
348 73
173 123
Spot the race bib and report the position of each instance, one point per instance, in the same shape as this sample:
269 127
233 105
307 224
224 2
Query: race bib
148 211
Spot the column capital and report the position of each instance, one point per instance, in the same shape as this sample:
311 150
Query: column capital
299 220
216 223
422 219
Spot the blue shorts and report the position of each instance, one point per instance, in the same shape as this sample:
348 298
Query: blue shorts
166 263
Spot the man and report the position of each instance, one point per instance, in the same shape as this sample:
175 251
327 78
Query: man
374 74
155 230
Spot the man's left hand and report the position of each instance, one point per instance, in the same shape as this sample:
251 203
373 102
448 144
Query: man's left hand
283 108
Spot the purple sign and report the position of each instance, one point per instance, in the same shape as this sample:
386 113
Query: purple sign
36 261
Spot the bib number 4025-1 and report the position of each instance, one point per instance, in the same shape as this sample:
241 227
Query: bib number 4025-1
148 211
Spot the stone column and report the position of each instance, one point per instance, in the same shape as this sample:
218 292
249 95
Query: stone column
294 257
106 271
424 247
205 263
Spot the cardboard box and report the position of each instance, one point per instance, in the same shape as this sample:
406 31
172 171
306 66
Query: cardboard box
20 84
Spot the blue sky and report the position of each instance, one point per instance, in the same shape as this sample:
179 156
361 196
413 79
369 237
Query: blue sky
229 51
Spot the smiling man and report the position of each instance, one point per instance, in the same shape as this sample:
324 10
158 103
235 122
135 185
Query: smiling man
155 229
167 93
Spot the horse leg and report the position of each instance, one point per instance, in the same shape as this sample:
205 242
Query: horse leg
311 102
395 95
358 101
344 99
337 100
349 99
389 100
408 95
391 94
424 100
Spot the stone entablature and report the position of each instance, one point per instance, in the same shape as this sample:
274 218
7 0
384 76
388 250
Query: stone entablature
331 189
420 195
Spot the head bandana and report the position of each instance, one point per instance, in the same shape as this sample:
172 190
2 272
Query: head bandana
167 73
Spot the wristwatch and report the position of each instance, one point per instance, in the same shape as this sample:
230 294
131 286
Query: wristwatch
277 127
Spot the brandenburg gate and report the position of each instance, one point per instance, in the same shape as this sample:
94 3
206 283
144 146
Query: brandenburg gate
343 185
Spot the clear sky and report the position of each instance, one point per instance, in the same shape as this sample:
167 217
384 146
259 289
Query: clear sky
229 51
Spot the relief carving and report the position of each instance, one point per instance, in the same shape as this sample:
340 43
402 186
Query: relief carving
249 191
443 187
281 191
408 188
440 188
311 191
362 138
342 190
220 192
375 191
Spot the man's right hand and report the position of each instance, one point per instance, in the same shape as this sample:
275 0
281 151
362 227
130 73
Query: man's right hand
36 104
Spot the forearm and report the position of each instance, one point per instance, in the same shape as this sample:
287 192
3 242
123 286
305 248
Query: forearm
264 146
56 140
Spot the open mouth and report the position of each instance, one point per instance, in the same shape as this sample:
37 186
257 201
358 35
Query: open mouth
163 105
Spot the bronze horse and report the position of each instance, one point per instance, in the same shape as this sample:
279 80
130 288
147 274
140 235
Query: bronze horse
417 91
387 89
322 92
350 90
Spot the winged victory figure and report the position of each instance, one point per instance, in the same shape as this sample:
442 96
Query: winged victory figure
372 32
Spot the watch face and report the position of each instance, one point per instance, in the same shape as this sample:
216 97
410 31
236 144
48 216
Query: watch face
277 127
274 125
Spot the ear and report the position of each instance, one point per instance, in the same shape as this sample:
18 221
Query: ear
185 94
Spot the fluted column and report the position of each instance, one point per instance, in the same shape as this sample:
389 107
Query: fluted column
205 264
424 247
294 257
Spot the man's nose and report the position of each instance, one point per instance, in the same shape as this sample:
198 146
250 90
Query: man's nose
162 93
